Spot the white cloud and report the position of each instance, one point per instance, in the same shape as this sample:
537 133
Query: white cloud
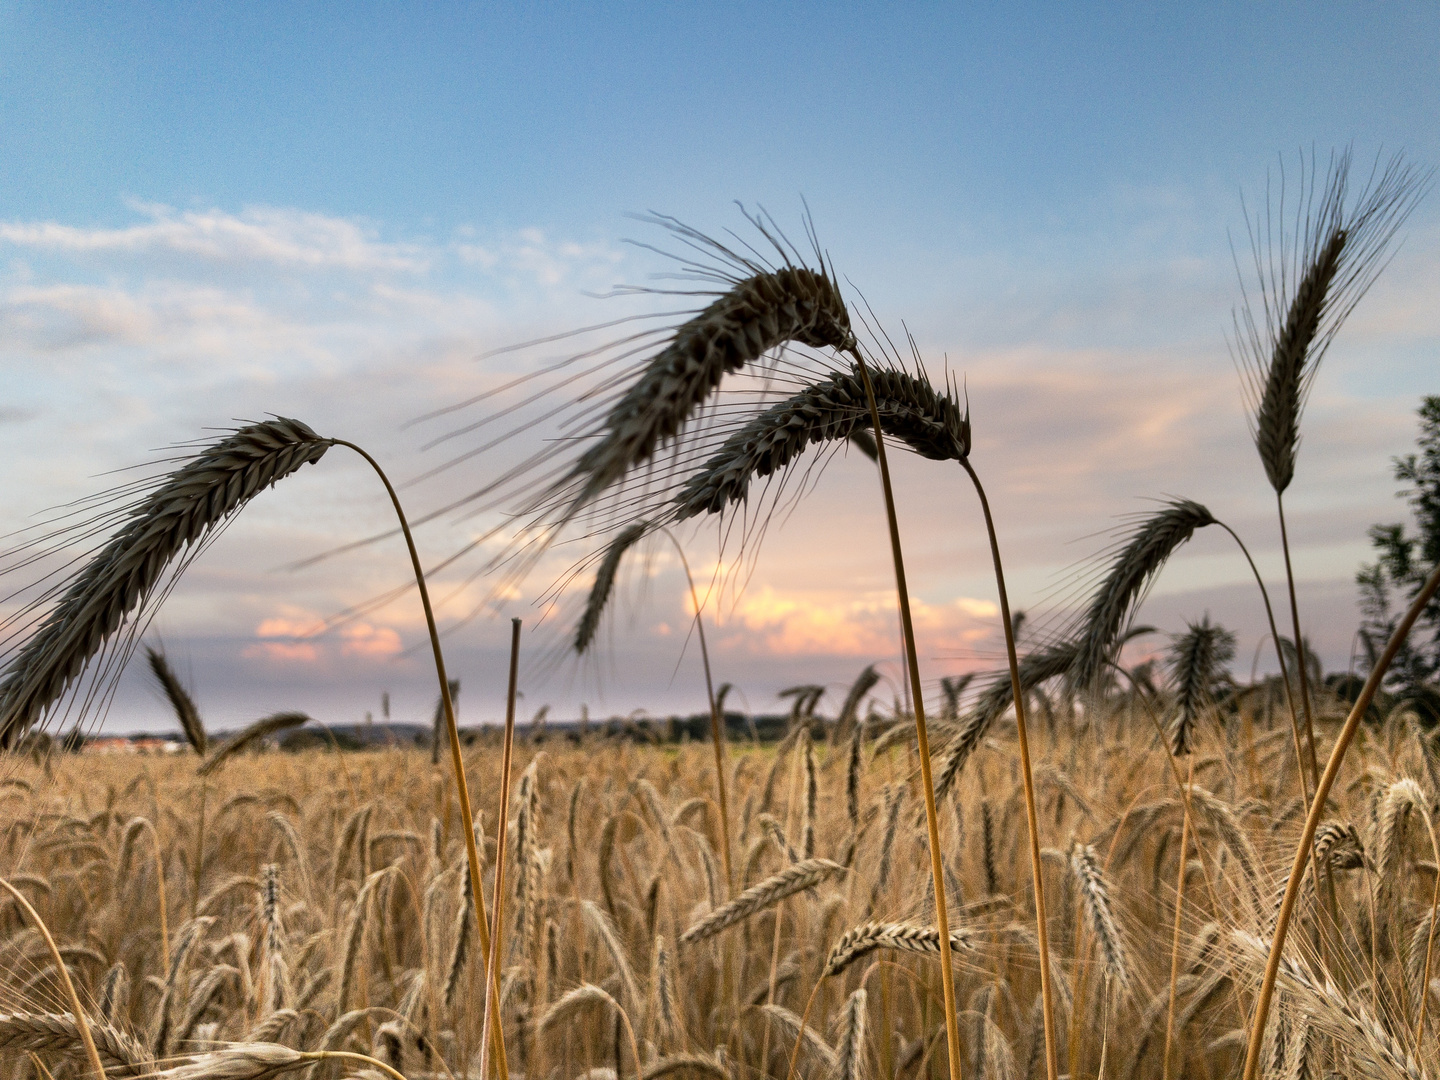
267 235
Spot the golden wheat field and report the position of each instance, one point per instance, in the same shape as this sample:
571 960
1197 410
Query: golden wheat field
317 901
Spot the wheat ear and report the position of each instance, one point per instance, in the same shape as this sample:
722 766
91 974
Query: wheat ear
909 409
58 1033
180 700
794 878
261 729
177 514
1132 569
901 937
604 584
758 314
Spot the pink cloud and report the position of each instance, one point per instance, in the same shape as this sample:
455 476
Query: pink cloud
362 639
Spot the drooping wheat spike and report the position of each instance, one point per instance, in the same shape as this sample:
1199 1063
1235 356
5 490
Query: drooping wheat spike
278 989
180 700
850 707
756 316
667 1008
1131 571
855 765
894 799
1196 660
1338 846
527 876
850 1043
261 729
1035 668
1309 276
464 932
1399 800
360 916
795 1028
605 930
901 937
1222 819
794 878
1360 1035
185 942
604 585
911 410
812 787
178 513
1095 897
56 1033
114 999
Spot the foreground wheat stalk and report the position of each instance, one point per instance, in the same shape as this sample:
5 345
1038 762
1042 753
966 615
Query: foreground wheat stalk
78 1010
1317 809
457 762
932 820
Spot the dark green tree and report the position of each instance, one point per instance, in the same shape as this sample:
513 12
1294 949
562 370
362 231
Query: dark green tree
1404 560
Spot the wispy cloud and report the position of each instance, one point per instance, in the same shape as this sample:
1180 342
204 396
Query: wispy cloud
266 235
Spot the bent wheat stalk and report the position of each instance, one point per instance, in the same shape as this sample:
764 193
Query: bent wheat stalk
1317 808
467 815
79 1012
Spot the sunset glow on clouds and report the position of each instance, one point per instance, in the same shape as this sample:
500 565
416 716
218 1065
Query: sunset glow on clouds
349 239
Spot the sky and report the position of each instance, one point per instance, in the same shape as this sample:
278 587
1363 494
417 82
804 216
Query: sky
338 213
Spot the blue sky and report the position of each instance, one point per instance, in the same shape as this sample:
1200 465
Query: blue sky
213 211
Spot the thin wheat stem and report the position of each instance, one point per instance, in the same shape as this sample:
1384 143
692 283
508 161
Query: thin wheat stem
717 726
937 871
456 760
1042 931
1299 644
502 829
1179 911
80 1022
1312 821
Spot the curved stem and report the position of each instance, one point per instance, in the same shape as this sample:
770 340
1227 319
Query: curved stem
717 727
456 760
1317 808
1307 784
937 871
80 1021
1299 643
1042 930
346 1055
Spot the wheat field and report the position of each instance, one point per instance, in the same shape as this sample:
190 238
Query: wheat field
329 910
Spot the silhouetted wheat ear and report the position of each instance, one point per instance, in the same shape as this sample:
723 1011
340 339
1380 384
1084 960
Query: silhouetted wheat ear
1307 288
178 513
757 315
180 700
911 410
1131 572
1196 659
1035 668
902 937
604 586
